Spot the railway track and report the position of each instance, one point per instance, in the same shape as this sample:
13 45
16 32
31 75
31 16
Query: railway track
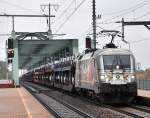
34 92
143 109
140 107
58 108
123 110
132 111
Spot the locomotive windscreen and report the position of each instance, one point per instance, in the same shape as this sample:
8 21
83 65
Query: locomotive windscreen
111 61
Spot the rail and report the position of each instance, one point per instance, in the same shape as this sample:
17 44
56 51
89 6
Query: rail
31 88
33 91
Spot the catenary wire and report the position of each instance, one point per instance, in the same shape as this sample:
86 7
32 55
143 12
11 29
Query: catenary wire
18 6
142 16
127 9
141 40
70 16
127 12
61 15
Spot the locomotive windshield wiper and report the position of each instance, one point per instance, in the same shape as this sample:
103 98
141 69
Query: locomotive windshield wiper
121 64
114 61
117 61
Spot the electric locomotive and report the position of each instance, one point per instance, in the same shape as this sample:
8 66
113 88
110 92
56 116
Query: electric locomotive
107 74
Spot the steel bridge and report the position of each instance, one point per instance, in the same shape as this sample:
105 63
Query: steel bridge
34 49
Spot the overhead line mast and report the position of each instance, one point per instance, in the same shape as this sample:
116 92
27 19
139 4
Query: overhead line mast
49 18
145 23
94 24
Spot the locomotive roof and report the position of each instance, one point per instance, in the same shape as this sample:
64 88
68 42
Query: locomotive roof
106 51
110 51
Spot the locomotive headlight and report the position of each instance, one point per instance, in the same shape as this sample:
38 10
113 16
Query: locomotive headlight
117 67
133 77
102 77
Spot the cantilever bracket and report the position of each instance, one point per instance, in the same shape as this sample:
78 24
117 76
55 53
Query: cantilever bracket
147 26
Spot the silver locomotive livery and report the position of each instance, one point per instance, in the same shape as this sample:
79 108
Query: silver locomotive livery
108 74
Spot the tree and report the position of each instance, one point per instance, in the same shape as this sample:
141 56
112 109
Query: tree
3 70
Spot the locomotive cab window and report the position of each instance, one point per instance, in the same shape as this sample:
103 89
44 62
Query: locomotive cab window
116 61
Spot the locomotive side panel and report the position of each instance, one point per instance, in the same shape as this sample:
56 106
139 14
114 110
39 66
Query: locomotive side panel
85 74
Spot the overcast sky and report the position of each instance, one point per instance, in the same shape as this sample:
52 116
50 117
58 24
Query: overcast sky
79 25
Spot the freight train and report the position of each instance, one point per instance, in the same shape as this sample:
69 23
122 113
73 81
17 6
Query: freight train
106 74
